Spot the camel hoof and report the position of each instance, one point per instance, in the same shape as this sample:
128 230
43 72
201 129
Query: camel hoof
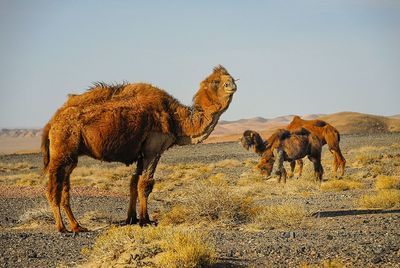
63 230
79 229
131 221
143 223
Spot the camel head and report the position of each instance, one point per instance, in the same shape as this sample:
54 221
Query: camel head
251 139
267 161
216 91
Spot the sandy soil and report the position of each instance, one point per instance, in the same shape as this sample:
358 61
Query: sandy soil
338 229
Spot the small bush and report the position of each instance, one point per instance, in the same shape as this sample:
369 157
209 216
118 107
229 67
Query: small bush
41 214
153 246
212 200
381 199
177 215
279 216
340 185
387 182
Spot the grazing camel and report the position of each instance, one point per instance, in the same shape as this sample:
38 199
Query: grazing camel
127 123
284 145
327 135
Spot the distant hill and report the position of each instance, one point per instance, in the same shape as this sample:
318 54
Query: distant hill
345 122
356 123
396 116
28 140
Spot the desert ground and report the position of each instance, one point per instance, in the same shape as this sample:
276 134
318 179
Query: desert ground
209 197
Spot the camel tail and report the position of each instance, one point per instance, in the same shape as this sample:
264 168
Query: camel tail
45 147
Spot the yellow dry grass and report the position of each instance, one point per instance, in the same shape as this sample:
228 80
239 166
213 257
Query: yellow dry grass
228 163
212 200
387 182
381 199
341 185
23 179
132 246
278 216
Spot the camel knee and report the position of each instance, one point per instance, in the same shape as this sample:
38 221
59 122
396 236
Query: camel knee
145 187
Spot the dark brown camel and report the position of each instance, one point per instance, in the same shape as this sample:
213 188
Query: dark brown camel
284 145
127 123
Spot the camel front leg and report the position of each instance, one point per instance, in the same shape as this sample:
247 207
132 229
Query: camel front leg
278 154
292 168
318 169
54 192
132 218
145 187
300 163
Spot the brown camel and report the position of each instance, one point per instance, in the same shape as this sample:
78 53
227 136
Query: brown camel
327 135
127 123
284 145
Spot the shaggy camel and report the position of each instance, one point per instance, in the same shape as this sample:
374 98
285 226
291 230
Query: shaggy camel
327 134
284 145
127 123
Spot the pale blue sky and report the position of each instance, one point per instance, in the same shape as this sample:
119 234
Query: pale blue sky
292 57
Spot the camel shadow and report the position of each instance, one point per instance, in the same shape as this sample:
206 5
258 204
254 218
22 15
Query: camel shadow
352 212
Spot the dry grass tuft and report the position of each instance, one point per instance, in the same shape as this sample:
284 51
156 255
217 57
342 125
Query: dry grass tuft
177 215
217 202
228 163
387 182
23 179
39 215
341 185
250 162
279 216
12 167
210 200
381 199
158 246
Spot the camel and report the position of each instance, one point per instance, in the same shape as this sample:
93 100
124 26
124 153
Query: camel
127 123
284 145
327 134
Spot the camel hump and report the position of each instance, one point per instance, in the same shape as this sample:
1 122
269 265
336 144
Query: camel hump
296 121
296 118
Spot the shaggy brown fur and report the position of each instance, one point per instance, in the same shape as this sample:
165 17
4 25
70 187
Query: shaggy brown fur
127 123
284 145
327 135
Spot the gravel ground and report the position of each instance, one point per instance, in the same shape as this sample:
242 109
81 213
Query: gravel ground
362 238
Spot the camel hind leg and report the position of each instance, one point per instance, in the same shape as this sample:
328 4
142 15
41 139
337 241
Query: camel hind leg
145 187
54 192
132 218
339 162
65 200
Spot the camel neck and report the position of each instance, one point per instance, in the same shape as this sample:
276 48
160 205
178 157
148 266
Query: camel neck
196 123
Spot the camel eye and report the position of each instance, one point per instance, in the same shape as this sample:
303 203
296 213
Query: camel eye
226 85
